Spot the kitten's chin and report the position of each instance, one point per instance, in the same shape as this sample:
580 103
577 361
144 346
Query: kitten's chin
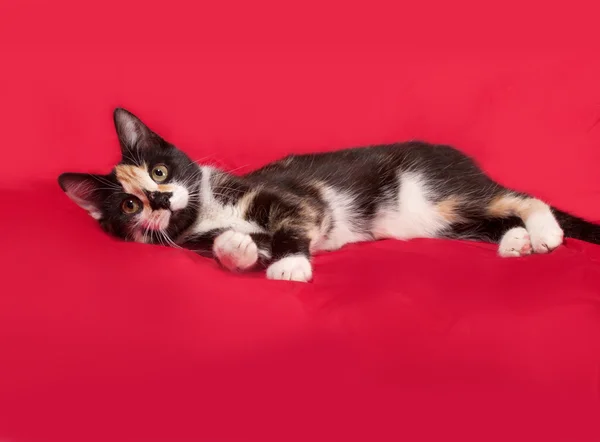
158 220
150 227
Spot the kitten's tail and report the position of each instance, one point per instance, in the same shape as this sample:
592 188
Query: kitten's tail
577 228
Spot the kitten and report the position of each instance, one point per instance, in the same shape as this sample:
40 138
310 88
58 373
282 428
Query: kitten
278 216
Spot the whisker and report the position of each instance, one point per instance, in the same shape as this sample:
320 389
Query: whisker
169 241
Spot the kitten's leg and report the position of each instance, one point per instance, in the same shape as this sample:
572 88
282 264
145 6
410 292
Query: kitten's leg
544 230
509 233
519 224
233 250
291 256
294 221
238 251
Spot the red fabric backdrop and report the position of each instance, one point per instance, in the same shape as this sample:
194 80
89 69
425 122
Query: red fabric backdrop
423 340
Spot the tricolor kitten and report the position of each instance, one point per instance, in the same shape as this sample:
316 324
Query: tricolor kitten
281 214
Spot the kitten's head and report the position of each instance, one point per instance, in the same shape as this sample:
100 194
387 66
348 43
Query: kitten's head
149 196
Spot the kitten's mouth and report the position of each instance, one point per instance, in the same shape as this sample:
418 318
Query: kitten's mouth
158 220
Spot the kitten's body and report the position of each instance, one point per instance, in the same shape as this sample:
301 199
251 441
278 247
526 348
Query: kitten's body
286 211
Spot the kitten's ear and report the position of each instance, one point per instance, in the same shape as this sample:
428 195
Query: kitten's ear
84 190
130 129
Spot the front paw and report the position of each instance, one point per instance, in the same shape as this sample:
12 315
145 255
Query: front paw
291 268
235 250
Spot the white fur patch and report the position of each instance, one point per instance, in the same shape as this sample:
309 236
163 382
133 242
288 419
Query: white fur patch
414 216
546 234
215 215
515 242
180 197
291 268
235 250
343 210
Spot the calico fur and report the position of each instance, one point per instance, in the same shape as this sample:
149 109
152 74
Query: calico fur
281 214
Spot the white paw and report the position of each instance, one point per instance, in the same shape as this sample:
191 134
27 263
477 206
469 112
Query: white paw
546 234
235 250
515 243
291 268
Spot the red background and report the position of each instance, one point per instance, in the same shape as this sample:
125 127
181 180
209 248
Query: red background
423 340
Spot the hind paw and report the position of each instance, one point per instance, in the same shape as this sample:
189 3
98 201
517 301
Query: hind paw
516 242
546 234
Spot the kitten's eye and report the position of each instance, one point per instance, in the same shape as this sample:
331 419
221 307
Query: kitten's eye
160 173
131 205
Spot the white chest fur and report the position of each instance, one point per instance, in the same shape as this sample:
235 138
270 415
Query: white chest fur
216 215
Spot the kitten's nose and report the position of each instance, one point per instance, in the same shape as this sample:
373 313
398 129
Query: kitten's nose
159 200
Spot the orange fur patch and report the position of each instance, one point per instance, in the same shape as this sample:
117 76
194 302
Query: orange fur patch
449 209
513 205
136 180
